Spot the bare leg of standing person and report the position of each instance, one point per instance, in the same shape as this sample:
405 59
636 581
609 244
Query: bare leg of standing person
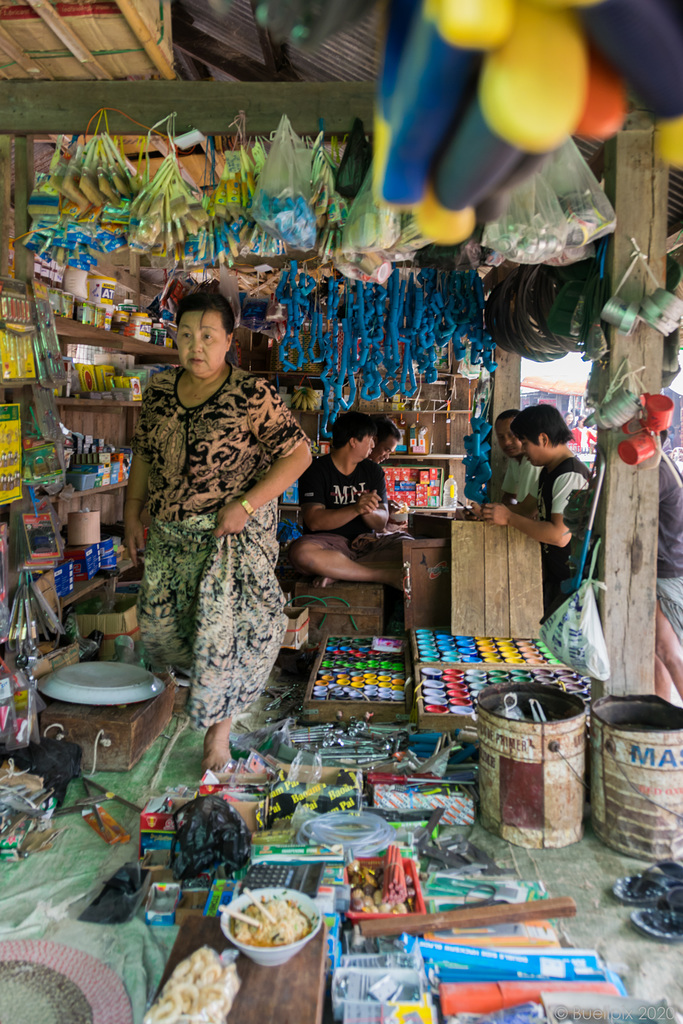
668 657
217 746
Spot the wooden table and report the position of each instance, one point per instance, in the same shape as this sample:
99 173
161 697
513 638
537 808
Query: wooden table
290 994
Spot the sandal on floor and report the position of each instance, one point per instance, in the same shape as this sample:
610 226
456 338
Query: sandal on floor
665 921
645 889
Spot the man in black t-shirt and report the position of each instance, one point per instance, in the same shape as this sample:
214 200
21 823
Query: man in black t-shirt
544 436
343 497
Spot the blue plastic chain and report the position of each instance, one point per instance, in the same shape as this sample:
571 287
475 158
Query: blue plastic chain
375 339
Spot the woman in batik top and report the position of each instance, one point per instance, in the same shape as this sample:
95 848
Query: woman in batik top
213 449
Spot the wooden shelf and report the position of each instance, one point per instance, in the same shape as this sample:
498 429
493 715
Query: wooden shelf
72 332
84 587
78 495
407 456
98 404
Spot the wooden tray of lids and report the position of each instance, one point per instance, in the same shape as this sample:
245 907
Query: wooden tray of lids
329 709
447 721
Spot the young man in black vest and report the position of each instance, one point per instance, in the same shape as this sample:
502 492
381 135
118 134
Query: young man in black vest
544 436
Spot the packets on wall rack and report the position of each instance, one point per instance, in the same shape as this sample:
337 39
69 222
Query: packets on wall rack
43 544
4 584
17 330
47 351
10 453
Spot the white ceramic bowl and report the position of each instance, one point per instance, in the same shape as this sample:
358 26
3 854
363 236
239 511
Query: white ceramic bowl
271 956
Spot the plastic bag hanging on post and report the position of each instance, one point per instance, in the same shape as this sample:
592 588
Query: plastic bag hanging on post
533 227
573 633
282 201
588 211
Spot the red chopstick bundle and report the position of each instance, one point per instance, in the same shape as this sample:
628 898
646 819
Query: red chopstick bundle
395 889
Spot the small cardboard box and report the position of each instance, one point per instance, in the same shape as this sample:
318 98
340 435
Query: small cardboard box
152 820
191 904
162 900
86 563
60 658
297 628
122 621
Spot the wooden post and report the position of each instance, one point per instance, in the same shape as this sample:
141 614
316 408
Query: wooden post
505 396
134 270
5 197
636 183
23 186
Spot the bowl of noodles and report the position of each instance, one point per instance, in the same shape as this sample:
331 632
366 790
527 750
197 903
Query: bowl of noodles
296 920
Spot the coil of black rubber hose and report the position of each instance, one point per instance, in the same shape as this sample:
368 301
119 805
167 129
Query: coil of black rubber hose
516 313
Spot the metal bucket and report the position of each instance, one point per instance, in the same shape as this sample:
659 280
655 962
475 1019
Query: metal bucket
637 776
531 774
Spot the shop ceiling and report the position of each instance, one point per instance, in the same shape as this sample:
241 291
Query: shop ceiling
204 60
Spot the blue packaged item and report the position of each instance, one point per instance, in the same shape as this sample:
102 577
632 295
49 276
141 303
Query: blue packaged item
86 561
64 578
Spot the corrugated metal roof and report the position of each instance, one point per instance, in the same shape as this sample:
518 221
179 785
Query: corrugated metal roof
347 57
234 30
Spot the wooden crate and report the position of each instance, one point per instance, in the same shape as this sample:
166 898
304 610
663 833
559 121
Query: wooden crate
496 586
364 603
131 729
316 711
426 720
427 583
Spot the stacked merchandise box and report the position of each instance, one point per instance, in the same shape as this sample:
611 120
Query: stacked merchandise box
64 578
415 486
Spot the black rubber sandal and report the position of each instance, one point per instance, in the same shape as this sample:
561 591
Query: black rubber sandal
646 888
665 921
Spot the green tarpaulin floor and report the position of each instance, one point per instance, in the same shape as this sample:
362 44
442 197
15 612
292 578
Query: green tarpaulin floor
41 896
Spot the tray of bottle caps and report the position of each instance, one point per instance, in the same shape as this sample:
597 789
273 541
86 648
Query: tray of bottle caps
356 677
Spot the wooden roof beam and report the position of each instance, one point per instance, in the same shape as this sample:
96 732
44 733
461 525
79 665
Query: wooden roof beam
19 56
66 35
144 36
65 107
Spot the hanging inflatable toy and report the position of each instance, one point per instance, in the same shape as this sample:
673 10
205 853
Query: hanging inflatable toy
471 96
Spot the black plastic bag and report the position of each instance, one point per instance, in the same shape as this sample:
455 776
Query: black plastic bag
208 830
56 761
355 162
119 900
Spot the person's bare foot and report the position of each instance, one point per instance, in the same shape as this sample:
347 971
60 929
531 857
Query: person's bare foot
217 746
323 581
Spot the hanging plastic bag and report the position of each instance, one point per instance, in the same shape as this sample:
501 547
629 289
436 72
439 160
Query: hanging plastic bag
573 633
282 201
370 227
588 211
355 163
533 227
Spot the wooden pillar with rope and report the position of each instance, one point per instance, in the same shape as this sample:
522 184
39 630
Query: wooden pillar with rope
636 183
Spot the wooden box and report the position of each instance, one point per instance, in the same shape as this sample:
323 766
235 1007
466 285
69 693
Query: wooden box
427 583
332 608
315 710
130 729
426 720
496 581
